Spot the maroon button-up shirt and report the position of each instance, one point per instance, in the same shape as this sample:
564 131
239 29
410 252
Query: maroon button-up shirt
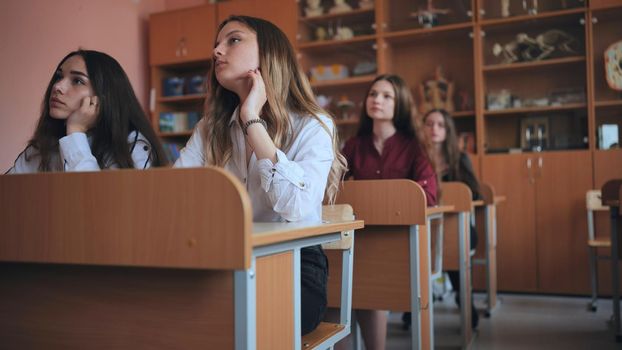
402 158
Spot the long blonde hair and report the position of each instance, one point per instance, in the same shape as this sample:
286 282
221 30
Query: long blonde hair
287 90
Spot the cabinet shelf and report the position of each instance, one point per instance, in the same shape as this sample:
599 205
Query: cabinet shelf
175 134
609 103
443 31
526 18
535 109
356 14
462 114
530 65
183 98
351 81
332 44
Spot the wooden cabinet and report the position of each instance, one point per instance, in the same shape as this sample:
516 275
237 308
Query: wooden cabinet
542 228
181 35
180 44
562 179
542 225
603 4
279 12
517 256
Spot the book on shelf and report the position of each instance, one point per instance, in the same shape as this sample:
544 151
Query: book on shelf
178 121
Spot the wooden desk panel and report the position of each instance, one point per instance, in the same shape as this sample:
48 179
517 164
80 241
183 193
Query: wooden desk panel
65 307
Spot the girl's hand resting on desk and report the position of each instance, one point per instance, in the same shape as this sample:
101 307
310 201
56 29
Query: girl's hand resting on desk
256 98
83 118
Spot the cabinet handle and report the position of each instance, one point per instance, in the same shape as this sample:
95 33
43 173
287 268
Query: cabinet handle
539 171
177 52
582 21
594 20
373 26
482 12
184 51
529 174
470 14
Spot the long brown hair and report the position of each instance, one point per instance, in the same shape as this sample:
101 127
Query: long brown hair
449 148
119 114
287 90
404 114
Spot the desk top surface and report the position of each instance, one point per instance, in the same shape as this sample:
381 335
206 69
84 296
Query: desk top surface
438 209
265 233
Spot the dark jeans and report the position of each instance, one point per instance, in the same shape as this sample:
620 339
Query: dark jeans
313 278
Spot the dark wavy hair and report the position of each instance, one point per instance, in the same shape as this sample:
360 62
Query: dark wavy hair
449 147
119 114
404 115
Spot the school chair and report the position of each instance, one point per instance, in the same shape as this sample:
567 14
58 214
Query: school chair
593 204
391 260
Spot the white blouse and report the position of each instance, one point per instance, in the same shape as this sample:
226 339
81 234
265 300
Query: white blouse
290 190
76 155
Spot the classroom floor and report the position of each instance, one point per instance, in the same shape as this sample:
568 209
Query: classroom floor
520 322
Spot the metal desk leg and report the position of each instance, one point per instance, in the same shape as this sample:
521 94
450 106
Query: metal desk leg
245 292
415 294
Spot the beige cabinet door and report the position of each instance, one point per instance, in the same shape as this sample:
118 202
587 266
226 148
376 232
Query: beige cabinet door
562 179
513 177
182 35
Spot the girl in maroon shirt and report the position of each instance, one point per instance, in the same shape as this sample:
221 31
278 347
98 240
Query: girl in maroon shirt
387 146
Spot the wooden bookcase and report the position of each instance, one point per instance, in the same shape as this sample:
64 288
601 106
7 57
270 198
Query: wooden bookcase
542 226
179 48
181 44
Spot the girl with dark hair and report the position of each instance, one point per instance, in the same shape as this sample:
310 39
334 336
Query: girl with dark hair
452 165
263 125
90 120
388 145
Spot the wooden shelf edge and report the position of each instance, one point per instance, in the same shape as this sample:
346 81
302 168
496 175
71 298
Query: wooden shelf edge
332 16
462 114
534 64
330 43
608 103
182 98
410 33
358 80
535 109
175 134
524 18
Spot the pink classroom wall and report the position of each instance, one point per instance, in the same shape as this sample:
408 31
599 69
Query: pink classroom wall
36 34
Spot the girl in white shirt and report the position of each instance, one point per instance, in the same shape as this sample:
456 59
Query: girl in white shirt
90 120
263 125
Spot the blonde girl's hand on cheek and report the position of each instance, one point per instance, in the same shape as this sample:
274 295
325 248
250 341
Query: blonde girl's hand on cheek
256 98
83 118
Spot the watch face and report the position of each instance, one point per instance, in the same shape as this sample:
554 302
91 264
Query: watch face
613 66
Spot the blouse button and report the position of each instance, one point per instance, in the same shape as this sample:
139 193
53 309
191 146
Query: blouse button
145 148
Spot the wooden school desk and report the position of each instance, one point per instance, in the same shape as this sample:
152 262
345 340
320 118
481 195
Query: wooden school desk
486 222
457 248
162 258
391 260
612 197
